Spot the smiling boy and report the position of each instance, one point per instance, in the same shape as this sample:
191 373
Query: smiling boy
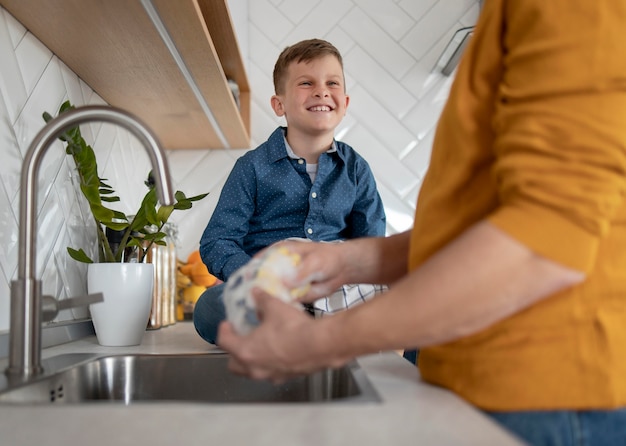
300 183
311 95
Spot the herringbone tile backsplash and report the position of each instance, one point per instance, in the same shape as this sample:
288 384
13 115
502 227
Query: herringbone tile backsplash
390 49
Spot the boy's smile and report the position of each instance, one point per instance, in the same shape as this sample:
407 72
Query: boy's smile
314 100
320 108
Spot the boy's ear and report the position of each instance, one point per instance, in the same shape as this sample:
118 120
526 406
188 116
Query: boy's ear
277 106
347 101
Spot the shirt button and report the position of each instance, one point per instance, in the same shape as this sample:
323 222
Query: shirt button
314 194
300 161
309 231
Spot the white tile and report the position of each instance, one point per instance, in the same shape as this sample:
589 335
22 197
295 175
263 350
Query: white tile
381 123
411 198
296 10
264 122
12 87
263 54
47 96
191 223
51 285
423 118
91 98
206 173
377 43
416 9
387 169
183 162
81 230
72 85
8 237
435 23
271 20
16 29
102 143
214 165
424 75
420 80
418 159
32 58
389 16
471 16
50 221
344 127
341 40
377 80
262 87
5 307
10 155
87 92
235 154
239 16
66 190
319 22
72 278
399 214
126 169
351 83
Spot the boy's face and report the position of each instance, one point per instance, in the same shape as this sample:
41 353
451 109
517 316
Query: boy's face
314 99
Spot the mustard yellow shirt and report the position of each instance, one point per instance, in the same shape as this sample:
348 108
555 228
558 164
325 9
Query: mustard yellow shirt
533 139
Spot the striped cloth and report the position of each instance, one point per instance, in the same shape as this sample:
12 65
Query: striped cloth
345 297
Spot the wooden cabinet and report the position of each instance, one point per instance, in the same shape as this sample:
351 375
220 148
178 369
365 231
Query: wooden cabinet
166 61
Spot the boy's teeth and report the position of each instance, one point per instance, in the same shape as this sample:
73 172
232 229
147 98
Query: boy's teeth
320 108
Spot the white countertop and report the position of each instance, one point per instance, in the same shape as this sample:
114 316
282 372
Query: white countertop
411 412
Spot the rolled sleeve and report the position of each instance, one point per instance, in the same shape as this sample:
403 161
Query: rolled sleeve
560 139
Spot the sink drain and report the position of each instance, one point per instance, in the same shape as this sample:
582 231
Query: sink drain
56 394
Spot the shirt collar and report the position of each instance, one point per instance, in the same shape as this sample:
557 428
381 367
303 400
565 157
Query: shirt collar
279 136
292 155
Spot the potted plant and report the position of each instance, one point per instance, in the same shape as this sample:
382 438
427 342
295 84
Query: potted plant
141 230
138 232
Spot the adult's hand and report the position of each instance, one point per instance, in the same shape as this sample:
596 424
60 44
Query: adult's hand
322 267
287 343
327 266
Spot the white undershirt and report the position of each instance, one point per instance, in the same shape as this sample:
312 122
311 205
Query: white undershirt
311 169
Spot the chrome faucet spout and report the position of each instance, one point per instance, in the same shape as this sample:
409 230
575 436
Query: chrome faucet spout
26 300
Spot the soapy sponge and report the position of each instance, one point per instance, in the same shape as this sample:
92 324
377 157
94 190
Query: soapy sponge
268 273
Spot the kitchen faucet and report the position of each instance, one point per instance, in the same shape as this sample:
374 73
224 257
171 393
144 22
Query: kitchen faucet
28 306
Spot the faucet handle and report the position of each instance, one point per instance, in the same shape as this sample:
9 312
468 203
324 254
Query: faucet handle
51 306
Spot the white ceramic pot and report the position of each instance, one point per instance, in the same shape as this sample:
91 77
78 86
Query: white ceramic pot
121 319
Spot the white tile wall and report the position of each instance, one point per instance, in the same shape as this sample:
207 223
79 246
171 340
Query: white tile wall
389 48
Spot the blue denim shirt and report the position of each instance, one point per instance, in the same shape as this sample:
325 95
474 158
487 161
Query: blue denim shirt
269 196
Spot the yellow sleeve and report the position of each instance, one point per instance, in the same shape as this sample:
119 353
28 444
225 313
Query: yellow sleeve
560 126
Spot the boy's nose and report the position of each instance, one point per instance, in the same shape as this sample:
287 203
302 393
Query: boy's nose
321 92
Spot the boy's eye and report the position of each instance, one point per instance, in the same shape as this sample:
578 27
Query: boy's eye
305 83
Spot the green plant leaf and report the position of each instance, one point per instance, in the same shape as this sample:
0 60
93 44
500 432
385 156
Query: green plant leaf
145 228
79 255
164 212
117 226
197 197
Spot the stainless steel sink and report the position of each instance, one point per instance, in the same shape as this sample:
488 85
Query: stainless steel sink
203 378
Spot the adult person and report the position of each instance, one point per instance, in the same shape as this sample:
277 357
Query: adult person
300 183
512 281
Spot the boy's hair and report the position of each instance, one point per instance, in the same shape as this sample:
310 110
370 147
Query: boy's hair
303 51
